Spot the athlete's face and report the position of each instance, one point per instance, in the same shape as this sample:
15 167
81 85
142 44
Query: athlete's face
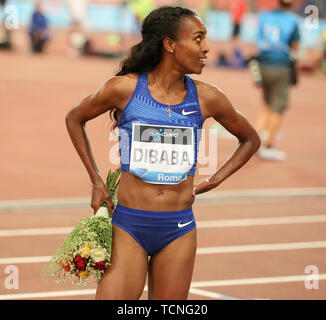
190 50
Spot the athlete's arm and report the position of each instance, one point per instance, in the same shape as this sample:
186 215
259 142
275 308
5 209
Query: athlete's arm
218 106
114 93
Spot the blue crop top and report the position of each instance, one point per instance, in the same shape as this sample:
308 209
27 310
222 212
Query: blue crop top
154 146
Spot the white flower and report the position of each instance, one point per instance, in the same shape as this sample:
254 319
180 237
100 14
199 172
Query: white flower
102 212
98 255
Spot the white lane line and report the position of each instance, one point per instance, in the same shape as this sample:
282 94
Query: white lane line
49 294
210 294
203 250
247 194
17 260
68 293
260 221
263 247
252 281
34 231
197 284
200 224
52 203
214 196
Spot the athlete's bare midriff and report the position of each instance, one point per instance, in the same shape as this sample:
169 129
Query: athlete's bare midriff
136 194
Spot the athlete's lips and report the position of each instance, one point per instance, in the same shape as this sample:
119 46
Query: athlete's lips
203 60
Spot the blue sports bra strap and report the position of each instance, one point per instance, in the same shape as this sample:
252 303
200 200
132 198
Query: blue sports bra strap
142 83
191 87
143 78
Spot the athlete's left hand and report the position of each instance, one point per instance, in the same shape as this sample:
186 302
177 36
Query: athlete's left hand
202 186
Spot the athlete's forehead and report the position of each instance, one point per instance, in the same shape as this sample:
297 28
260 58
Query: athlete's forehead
191 25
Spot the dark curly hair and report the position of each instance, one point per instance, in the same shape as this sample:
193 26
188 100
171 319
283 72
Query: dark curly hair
161 23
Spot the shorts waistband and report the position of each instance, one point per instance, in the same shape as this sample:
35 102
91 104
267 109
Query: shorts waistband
153 214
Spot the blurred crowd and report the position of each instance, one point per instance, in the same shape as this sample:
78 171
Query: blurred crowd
38 29
79 38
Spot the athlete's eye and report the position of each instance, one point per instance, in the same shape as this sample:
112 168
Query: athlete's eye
198 39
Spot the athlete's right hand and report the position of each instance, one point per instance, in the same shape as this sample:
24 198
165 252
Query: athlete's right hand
100 193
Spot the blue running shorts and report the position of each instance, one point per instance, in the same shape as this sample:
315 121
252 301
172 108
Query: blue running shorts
154 230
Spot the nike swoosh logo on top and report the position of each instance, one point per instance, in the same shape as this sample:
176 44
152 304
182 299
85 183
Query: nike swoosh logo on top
181 225
185 113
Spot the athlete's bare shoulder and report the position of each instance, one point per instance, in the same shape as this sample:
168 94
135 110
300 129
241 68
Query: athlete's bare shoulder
120 89
124 81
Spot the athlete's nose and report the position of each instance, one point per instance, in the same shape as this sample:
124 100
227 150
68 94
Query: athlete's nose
205 48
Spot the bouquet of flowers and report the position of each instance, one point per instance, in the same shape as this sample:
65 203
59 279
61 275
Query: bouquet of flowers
86 252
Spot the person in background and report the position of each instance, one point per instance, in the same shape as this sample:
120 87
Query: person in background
238 9
140 8
78 33
38 30
278 41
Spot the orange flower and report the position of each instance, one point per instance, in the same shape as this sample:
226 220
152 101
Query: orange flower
64 265
83 274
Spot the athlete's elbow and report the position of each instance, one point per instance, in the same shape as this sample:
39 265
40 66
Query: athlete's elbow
69 118
72 119
252 141
255 141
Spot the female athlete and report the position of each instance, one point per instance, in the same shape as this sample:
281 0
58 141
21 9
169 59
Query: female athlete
159 110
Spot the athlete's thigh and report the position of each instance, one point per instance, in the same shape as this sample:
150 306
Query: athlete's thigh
125 277
170 270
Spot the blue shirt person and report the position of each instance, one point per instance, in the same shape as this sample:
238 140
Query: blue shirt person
277 41
278 30
38 30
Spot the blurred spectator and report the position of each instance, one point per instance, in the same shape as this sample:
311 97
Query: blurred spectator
222 60
78 33
38 30
238 9
204 8
278 41
140 8
5 34
235 60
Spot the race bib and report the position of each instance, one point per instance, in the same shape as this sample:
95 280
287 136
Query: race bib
161 154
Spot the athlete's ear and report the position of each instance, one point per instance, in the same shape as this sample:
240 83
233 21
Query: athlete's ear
169 45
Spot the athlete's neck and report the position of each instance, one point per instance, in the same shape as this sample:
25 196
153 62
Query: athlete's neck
169 82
